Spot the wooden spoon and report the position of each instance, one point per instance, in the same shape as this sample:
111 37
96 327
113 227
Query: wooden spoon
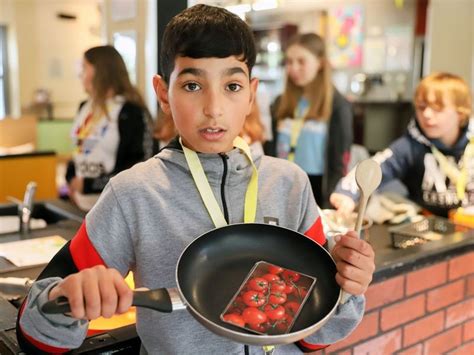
368 176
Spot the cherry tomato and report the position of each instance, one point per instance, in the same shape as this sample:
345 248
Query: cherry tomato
300 292
289 288
278 286
273 269
253 316
290 276
258 284
235 319
271 277
292 307
283 324
274 312
254 298
277 298
261 328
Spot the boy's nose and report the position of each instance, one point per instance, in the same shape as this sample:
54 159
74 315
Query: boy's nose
213 107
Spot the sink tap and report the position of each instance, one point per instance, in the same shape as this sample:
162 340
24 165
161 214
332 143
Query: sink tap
26 207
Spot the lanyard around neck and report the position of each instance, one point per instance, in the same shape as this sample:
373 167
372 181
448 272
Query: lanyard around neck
296 126
204 188
457 176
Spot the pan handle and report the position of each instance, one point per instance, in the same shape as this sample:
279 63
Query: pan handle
160 299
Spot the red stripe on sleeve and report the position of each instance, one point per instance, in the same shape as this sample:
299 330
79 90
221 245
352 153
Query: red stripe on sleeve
39 345
82 251
316 232
307 347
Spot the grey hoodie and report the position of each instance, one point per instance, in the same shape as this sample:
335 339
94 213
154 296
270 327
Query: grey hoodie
148 214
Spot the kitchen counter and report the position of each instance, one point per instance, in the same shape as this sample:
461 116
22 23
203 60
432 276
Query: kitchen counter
391 265
391 262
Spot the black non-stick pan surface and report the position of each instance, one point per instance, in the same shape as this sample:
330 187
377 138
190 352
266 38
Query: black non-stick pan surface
212 268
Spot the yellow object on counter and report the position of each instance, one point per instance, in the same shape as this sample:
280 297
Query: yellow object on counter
101 324
462 216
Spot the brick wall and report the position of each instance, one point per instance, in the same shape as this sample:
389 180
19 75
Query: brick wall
423 312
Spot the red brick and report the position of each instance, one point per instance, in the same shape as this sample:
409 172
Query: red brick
366 329
464 349
427 278
445 295
461 266
460 313
470 286
414 350
423 328
387 343
468 331
384 292
326 352
402 312
444 342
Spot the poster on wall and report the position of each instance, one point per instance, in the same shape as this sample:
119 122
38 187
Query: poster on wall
345 35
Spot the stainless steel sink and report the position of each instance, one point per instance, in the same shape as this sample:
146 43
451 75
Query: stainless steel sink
41 210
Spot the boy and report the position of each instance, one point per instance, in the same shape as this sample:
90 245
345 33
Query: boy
435 157
147 215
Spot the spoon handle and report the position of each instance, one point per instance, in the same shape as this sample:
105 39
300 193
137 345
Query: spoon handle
360 215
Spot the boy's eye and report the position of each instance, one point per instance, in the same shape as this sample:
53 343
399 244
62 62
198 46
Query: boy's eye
234 87
434 106
191 87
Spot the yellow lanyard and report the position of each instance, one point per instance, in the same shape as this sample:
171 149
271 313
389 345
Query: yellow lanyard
202 184
296 126
459 177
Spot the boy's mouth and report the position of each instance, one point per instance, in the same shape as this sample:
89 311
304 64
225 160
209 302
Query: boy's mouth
211 133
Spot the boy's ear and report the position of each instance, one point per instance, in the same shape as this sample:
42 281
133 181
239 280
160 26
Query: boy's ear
161 90
253 92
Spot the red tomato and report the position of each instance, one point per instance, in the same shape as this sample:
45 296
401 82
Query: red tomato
271 277
290 276
235 319
277 298
273 269
274 312
261 328
301 292
292 307
254 298
278 286
283 324
289 288
253 316
258 284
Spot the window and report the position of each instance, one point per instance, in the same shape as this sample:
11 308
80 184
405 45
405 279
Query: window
3 72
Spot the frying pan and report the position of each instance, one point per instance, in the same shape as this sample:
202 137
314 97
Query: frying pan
213 266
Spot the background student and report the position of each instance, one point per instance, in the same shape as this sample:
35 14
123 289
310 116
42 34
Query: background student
313 120
111 131
435 157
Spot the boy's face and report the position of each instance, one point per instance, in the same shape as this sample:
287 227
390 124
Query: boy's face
209 99
438 122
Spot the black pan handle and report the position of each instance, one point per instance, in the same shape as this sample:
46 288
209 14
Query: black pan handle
158 300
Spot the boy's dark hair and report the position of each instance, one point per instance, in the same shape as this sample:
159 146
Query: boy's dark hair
204 31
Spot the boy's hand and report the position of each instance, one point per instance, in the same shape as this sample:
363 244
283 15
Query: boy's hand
354 262
94 292
343 203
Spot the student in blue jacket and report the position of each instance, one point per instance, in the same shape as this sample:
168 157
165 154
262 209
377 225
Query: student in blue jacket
435 157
